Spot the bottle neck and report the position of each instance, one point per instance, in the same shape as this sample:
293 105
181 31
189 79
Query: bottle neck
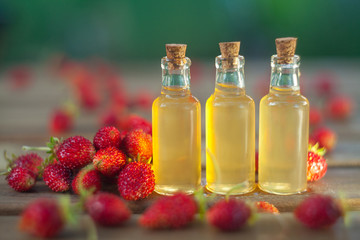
175 77
229 75
285 75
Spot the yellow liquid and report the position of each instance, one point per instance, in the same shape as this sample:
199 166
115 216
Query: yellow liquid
283 142
230 142
176 142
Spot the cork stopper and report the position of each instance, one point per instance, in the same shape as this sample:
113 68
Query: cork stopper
229 49
229 53
176 53
285 49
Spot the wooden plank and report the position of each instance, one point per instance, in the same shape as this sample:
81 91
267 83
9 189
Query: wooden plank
267 226
337 180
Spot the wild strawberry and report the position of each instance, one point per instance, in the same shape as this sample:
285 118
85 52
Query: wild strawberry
325 137
87 178
138 145
135 122
61 121
175 211
20 77
318 211
340 108
107 137
57 177
265 207
75 152
228 215
109 161
316 163
136 181
325 84
107 209
144 99
30 161
42 218
21 179
315 116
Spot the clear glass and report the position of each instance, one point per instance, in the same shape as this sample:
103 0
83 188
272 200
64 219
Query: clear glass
176 132
283 131
230 131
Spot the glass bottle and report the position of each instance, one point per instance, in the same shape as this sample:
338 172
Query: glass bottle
284 126
176 127
230 127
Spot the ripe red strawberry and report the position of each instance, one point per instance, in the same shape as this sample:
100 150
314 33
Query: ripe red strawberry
21 179
316 163
42 218
75 152
325 84
61 121
228 215
87 178
318 211
135 122
136 181
107 137
109 161
138 145
144 99
325 137
30 161
315 116
265 207
107 209
340 108
175 211
57 177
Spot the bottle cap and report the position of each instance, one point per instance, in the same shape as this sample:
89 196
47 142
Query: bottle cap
229 53
229 49
176 53
285 49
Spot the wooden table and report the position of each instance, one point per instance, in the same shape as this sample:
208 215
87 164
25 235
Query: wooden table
24 117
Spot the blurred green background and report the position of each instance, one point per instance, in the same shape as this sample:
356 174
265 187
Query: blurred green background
130 30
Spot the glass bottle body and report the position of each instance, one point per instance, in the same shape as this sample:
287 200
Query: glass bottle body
283 132
176 134
230 133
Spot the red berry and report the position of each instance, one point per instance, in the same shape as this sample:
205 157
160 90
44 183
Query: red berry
21 179
107 137
30 161
265 207
144 99
170 212
316 164
88 179
42 218
315 116
61 121
228 215
138 145
135 122
57 177
340 108
109 161
136 181
325 137
75 152
325 84
107 209
318 211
